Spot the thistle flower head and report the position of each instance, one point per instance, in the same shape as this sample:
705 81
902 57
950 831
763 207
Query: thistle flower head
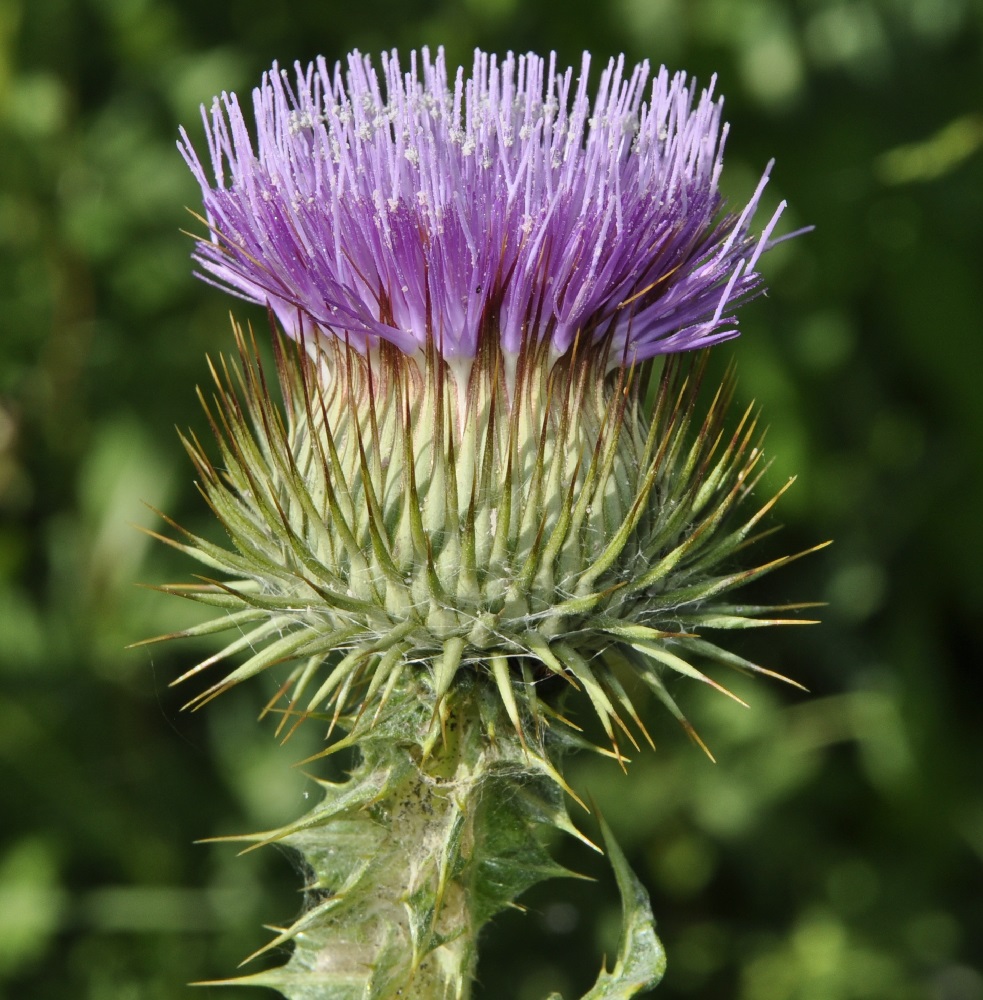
463 477
511 205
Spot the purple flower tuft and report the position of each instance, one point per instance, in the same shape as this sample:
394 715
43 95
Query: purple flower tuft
508 204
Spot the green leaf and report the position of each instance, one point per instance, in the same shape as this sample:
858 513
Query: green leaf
508 857
641 961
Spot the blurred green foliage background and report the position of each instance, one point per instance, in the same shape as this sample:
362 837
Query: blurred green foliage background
836 851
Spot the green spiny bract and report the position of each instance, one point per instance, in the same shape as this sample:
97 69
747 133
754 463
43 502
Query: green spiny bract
397 516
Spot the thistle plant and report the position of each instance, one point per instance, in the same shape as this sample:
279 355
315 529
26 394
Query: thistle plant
483 487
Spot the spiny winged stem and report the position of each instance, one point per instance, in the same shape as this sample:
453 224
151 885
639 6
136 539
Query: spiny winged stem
437 828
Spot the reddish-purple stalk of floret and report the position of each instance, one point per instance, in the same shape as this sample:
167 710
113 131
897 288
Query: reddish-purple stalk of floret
508 204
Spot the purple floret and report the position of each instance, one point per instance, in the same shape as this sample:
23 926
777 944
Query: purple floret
508 204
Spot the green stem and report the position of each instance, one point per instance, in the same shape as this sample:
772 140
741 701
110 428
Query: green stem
435 831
